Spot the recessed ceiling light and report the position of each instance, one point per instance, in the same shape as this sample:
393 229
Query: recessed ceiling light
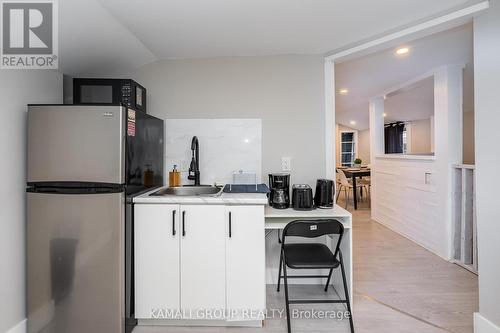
343 91
385 114
352 122
402 50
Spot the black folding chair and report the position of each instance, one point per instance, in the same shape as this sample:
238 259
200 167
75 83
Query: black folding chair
312 256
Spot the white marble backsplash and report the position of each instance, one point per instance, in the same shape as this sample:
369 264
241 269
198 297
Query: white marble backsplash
226 146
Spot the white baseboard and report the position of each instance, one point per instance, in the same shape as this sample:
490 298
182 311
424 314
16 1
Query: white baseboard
42 316
483 325
19 328
409 237
198 322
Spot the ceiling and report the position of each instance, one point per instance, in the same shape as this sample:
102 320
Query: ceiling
112 36
375 74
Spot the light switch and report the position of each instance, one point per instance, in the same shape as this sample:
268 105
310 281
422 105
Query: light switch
286 164
428 177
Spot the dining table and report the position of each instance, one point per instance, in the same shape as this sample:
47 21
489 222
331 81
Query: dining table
354 173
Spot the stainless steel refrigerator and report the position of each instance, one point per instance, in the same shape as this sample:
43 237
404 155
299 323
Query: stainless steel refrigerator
85 164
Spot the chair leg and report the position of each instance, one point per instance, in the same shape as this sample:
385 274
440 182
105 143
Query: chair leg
346 197
346 292
279 271
338 193
287 304
328 280
370 194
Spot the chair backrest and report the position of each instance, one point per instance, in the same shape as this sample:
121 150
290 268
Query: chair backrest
343 178
313 229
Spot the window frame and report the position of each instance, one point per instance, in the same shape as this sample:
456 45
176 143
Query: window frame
354 151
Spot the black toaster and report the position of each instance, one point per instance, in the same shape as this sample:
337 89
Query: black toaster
302 197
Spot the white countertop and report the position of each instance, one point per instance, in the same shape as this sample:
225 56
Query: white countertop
222 199
278 218
336 211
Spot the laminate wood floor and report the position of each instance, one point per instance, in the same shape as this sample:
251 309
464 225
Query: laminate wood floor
399 287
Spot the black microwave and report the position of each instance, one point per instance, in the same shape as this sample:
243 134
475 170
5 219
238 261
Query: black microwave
109 91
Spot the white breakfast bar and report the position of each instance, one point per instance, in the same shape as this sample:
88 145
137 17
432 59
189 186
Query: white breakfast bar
216 254
277 219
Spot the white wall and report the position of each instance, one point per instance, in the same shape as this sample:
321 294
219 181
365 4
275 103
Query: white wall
420 136
364 146
487 103
286 92
411 194
226 146
17 88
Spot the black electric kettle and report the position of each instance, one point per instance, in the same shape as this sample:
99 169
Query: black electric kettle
323 197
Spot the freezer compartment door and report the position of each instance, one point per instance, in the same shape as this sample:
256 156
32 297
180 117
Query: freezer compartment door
76 143
75 263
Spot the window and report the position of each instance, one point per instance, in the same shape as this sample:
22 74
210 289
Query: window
347 148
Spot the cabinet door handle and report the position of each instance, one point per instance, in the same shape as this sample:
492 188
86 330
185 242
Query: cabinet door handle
173 223
230 225
183 223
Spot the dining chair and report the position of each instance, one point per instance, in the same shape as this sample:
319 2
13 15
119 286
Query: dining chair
367 185
347 186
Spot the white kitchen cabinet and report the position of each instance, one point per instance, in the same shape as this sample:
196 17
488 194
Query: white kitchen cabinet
202 257
245 260
199 257
157 245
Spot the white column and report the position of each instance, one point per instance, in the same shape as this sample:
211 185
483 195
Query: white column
330 120
376 145
487 120
448 87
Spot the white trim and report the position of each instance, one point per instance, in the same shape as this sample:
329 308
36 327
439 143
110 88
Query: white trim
330 149
425 28
407 157
405 235
464 166
483 325
43 316
430 24
199 322
426 75
19 327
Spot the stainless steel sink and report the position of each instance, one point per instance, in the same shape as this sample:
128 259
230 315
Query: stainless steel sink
190 191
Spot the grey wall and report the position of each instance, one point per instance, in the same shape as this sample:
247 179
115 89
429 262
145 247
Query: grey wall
17 88
487 102
286 92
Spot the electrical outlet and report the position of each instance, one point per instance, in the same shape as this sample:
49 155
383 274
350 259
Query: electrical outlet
286 164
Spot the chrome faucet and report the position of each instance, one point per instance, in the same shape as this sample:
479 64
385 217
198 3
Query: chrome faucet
194 168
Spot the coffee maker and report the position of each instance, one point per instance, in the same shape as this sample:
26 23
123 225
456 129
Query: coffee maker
279 183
